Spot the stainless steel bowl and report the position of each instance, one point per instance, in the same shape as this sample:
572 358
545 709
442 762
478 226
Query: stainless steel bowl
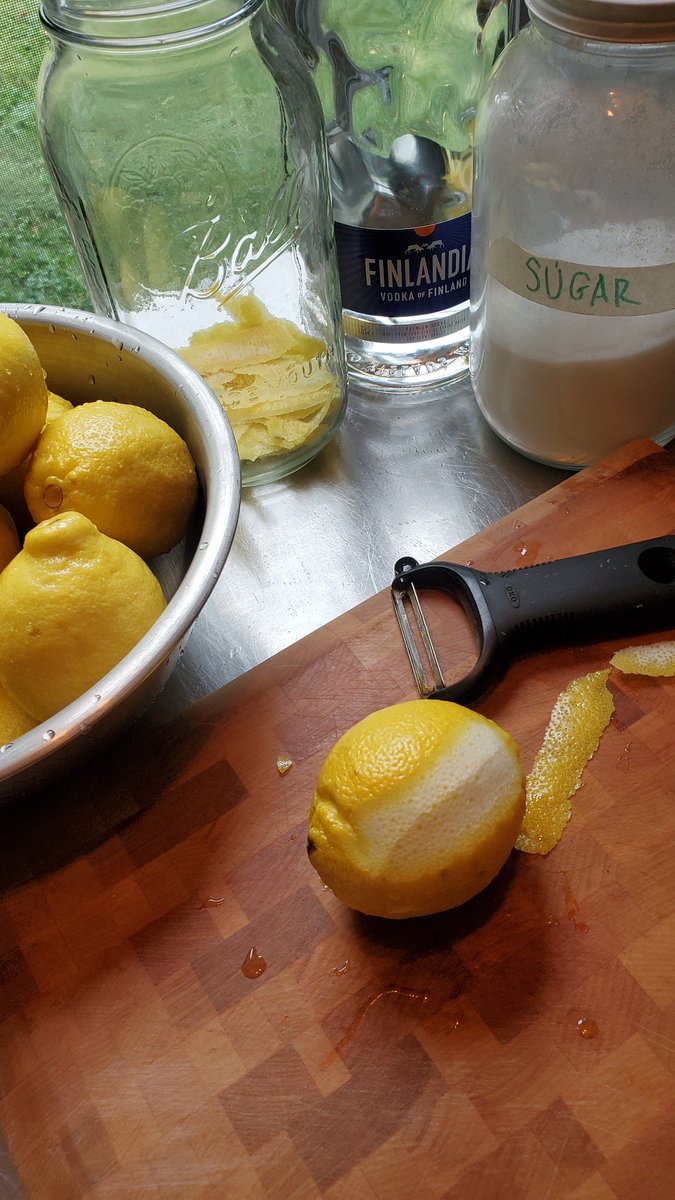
92 358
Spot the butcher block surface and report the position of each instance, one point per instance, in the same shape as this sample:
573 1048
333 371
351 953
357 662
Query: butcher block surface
188 1012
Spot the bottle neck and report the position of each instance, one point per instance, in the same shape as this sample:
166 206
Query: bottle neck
142 23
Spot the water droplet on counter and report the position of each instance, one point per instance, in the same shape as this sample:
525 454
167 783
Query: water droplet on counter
92 379
529 548
203 545
572 905
7 746
74 336
213 902
284 765
342 969
52 328
587 1027
48 735
624 758
254 964
391 990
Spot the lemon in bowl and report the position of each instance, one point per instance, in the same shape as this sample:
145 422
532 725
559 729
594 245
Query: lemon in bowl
9 538
87 359
12 482
23 394
122 467
73 603
417 808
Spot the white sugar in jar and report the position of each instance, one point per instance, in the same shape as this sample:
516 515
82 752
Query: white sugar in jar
573 260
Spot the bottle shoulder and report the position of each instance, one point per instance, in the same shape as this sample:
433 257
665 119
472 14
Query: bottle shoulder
534 60
542 89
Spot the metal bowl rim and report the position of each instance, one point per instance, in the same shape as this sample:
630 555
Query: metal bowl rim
223 497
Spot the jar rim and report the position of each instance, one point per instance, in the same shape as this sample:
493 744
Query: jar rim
142 23
643 22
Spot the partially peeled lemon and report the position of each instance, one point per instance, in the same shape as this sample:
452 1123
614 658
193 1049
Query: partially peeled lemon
417 808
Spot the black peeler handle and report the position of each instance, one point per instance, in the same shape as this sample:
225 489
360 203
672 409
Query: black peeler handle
590 597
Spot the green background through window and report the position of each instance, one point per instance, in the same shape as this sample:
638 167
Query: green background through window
37 261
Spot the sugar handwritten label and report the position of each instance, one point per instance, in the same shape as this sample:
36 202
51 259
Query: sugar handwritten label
597 291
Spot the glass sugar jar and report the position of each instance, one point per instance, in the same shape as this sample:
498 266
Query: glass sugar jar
185 141
573 263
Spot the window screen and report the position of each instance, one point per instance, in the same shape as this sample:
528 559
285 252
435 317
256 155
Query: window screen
37 261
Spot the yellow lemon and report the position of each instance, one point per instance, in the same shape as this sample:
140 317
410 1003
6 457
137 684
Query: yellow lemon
23 394
72 603
9 539
417 809
11 484
14 720
56 406
122 467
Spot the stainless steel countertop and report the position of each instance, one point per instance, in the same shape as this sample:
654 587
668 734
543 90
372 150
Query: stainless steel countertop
405 475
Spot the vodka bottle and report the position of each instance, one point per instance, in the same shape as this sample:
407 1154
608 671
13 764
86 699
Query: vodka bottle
399 81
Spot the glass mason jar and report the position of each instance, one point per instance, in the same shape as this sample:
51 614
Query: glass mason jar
573 267
399 81
185 141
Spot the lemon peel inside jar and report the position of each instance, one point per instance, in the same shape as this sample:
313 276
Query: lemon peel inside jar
274 381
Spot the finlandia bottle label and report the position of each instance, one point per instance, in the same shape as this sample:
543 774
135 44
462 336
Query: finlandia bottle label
405 300
404 272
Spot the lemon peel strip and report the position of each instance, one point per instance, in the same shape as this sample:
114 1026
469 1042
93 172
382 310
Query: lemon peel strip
657 660
580 715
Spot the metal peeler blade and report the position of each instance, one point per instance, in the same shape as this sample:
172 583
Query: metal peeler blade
399 596
589 597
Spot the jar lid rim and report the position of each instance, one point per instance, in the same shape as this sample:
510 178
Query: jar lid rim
142 22
626 21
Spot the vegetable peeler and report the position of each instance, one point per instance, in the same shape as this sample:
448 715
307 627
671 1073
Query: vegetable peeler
589 597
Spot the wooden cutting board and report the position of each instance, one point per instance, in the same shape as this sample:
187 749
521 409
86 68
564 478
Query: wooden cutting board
522 1046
